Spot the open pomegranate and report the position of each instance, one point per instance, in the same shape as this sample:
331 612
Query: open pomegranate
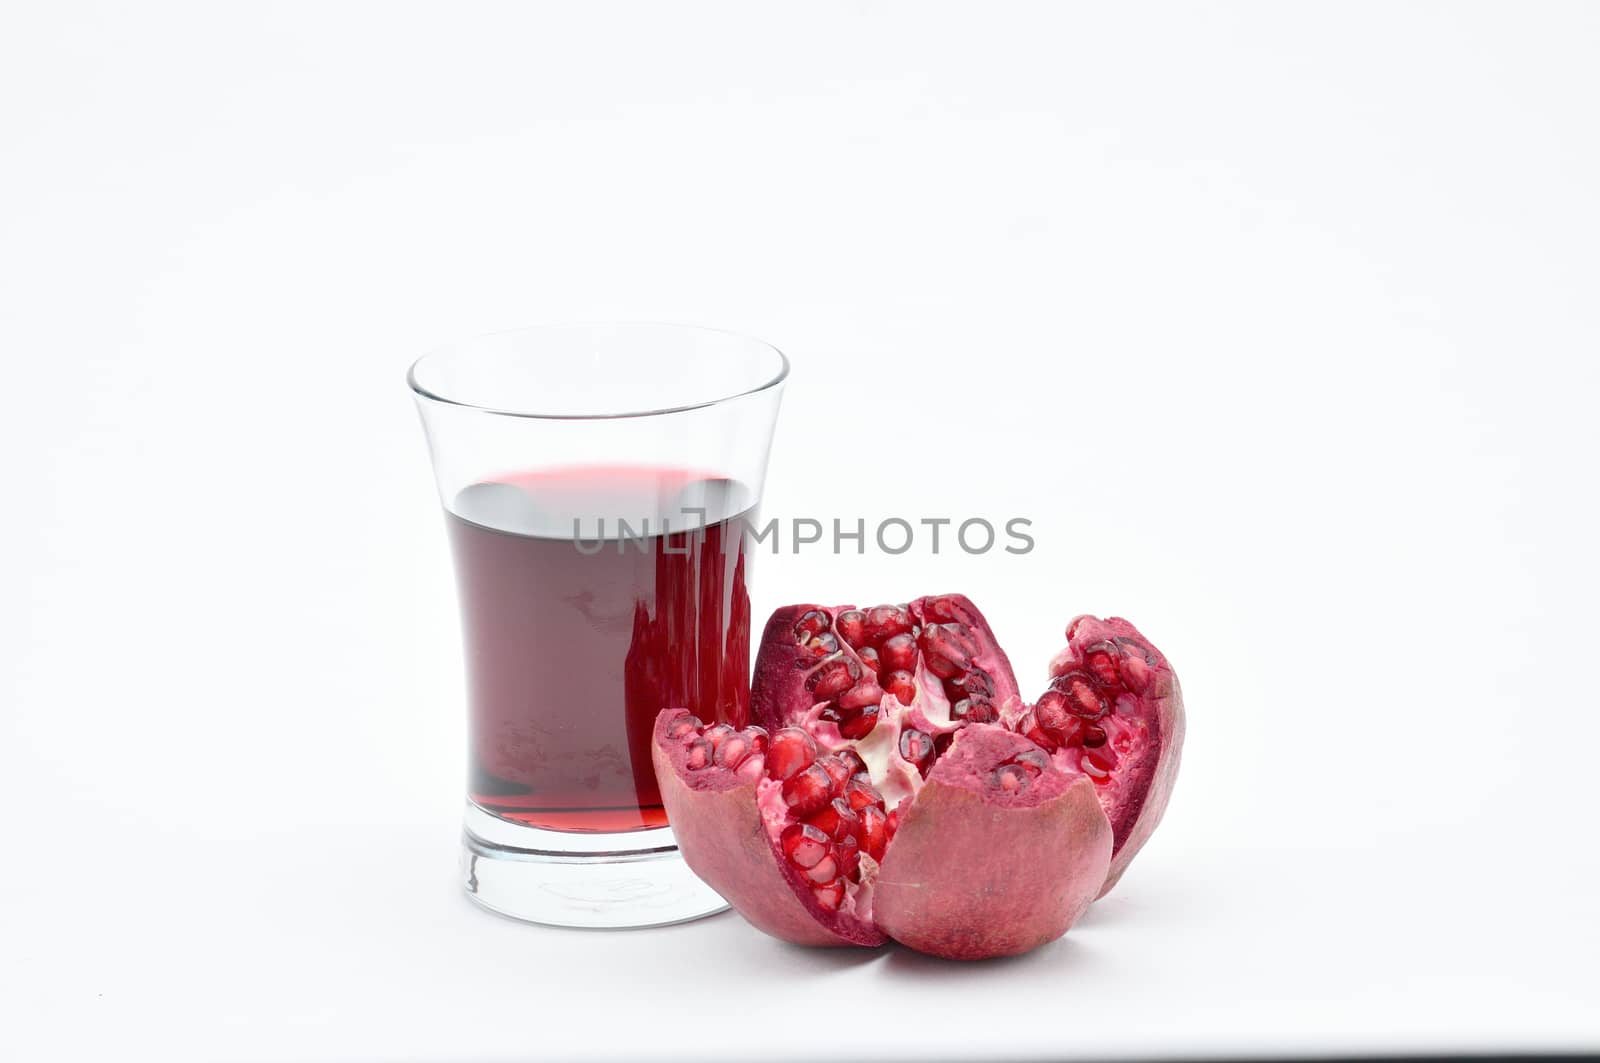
894 784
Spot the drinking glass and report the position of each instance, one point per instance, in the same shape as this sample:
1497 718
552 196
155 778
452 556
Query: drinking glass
596 481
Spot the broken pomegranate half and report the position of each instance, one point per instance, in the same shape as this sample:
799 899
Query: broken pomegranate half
894 783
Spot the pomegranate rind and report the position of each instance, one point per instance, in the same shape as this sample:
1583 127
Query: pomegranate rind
972 875
716 820
1162 706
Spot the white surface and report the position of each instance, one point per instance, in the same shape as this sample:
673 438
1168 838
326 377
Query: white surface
1279 321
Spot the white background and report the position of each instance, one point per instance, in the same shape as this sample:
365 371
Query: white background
1279 321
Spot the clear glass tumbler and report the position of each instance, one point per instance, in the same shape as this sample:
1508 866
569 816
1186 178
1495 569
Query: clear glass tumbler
596 481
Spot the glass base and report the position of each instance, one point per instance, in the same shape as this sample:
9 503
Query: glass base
603 881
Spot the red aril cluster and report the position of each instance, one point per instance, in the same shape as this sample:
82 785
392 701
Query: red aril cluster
1114 713
852 668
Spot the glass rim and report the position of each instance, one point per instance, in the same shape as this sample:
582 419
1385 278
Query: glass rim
422 392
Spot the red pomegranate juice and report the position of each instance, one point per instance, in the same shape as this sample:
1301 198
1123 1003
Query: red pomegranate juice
578 634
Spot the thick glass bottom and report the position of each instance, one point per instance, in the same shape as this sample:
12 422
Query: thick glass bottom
600 881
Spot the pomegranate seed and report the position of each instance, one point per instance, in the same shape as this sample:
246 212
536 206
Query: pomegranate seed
1093 737
757 737
752 768
885 622
810 625
804 845
732 751
827 821
899 653
698 754
1137 665
942 667
859 793
833 678
718 734
869 657
790 752
976 683
1101 660
823 645
848 852
830 896
683 725
941 609
874 831
849 625
827 870
974 710
917 747
838 820
1093 770
1051 712
867 692
857 727
1028 726
1033 761
808 792
838 772
1082 695
902 685
894 822
853 761
849 822
943 650
1011 778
